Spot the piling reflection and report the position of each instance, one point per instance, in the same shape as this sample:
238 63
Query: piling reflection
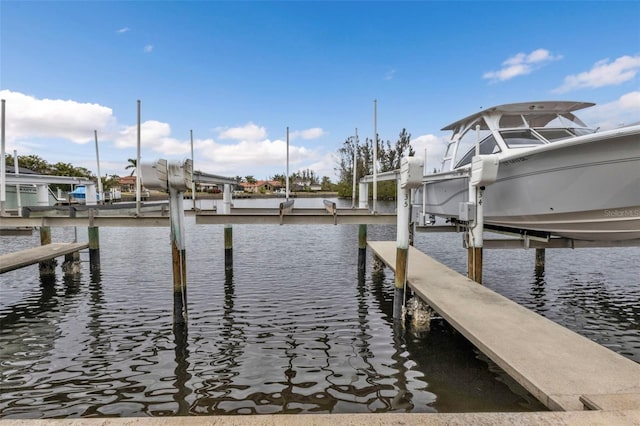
181 371
223 367
539 291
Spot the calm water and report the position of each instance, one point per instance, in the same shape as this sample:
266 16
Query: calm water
291 330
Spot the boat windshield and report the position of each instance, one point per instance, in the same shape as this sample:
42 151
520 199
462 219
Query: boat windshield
520 138
469 139
487 146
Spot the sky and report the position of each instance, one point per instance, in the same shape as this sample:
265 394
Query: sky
237 74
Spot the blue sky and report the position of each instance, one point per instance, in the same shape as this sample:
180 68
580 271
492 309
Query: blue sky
239 73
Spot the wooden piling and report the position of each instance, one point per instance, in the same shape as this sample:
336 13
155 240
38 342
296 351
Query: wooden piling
540 261
178 255
402 242
400 281
94 248
228 247
474 264
228 230
48 267
362 249
71 264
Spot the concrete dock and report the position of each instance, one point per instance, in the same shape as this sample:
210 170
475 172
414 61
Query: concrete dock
556 365
20 259
550 418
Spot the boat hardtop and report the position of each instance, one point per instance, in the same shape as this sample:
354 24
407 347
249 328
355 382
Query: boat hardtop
503 129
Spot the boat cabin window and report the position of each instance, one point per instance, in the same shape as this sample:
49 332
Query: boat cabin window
583 131
487 146
520 138
554 134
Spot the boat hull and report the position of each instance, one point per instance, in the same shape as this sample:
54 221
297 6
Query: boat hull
588 189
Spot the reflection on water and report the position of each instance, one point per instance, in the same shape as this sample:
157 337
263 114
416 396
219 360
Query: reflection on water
292 329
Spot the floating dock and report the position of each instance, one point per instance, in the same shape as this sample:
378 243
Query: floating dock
562 369
20 259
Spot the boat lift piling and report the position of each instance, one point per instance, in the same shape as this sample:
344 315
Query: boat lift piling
48 267
484 170
174 178
228 230
93 231
94 244
410 177
540 261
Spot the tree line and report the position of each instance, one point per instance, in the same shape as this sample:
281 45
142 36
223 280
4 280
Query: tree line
41 166
389 158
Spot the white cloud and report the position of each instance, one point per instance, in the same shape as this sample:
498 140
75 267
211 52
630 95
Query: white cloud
51 125
390 74
260 158
313 133
249 132
30 118
603 73
148 48
123 30
155 136
623 111
435 147
521 64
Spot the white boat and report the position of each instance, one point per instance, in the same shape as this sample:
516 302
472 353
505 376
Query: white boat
555 175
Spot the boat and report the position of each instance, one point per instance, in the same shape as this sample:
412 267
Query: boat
556 176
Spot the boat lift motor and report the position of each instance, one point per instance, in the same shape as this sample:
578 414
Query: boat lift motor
162 175
411 172
484 171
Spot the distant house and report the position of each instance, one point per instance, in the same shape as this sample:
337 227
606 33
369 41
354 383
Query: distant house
127 184
261 186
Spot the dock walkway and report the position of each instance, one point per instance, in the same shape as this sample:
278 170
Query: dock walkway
20 259
559 367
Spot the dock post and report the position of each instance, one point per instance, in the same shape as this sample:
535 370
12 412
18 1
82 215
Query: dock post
402 250
94 234
475 236
174 178
48 267
178 257
362 249
540 261
410 177
363 203
71 265
94 248
228 230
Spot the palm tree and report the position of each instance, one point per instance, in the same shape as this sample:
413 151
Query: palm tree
133 164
